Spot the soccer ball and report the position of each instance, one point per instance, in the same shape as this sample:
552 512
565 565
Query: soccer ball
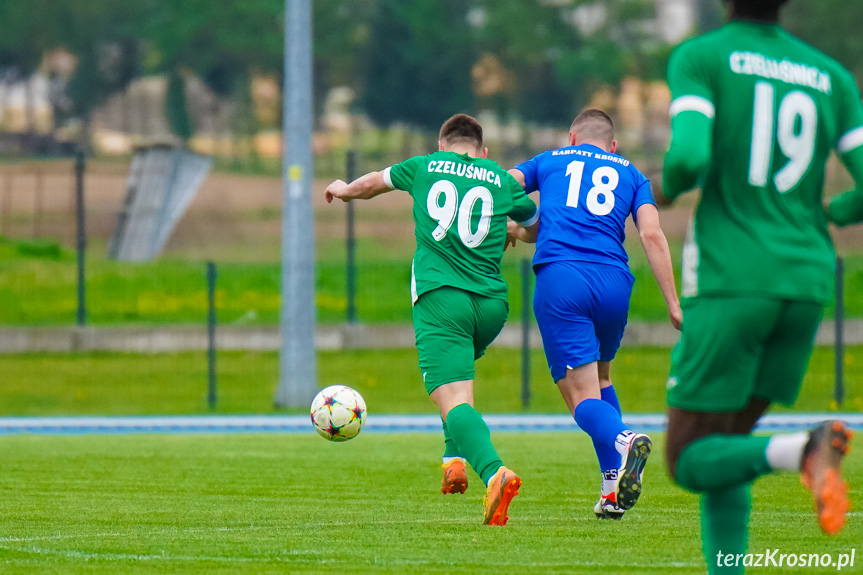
338 413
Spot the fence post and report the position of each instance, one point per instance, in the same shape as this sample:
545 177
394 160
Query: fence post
839 327
351 245
525 332
37 203
6 224
211 335
81 235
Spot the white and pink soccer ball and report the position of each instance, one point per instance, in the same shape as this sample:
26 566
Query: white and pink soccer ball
338 413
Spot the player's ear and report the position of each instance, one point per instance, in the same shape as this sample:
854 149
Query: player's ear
613 146
571 138
441 145
484 153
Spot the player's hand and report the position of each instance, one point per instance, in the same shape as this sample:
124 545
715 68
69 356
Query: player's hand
335 190
512 233
676 316
662 201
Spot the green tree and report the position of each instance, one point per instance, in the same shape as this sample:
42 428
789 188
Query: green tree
832 26
556 65
29 30
419 60
420 56
222 43
342 30
534 41
105 37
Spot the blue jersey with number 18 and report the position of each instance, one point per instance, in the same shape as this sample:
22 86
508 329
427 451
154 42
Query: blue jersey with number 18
586 194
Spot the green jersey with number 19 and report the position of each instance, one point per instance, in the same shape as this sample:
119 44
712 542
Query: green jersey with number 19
460 209
778 107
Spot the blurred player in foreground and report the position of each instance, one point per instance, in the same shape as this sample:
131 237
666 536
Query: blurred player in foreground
461 204
755 113
583 286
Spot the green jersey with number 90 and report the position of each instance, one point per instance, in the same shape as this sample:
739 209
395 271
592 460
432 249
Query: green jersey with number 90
460 209
778 108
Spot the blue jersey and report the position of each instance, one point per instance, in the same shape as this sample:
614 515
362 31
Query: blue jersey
586 194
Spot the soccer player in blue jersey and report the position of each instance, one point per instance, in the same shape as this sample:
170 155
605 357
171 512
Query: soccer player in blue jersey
583 286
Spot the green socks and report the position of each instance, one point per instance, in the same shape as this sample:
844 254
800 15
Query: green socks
725 528
721 467
450 448
471 435
719 462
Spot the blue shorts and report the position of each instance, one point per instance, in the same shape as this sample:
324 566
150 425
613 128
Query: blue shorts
581 310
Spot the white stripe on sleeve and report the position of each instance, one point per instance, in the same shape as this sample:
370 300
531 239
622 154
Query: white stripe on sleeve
692 104
388 179
850 140
530 221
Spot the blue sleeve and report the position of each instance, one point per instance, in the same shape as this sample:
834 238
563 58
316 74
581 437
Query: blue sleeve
643 193
530 169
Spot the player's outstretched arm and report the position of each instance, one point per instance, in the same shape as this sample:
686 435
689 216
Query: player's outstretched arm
847 208
659 257
363 188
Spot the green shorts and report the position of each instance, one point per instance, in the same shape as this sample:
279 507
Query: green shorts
732 349
453 327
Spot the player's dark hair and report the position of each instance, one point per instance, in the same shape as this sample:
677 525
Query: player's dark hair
593 124
759 10
461 128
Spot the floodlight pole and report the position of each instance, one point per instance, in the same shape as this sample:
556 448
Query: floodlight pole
297 370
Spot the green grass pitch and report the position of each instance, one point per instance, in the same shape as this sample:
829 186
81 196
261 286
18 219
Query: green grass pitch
295 503
388 379
41 289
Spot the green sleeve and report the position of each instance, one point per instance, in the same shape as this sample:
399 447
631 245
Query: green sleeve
689 73
524 211
688 154
847 208
401 176
849 113
692 112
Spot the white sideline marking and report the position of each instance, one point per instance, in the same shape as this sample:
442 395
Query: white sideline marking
375 423
286 557
275 527
150 557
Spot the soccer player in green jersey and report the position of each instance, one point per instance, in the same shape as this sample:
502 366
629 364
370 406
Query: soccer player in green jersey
461 201
755 113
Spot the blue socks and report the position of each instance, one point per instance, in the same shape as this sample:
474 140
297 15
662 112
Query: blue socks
602 422
607 455
608 395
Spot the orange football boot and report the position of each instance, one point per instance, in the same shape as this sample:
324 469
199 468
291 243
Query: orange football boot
503 487
828 444
454 477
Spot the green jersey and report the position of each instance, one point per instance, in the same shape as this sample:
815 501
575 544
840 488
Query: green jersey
777 107
460 209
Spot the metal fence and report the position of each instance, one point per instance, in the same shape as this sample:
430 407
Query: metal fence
215 286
